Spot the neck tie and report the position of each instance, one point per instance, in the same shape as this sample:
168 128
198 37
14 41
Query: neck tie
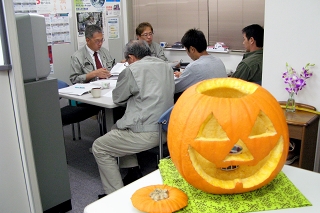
98 64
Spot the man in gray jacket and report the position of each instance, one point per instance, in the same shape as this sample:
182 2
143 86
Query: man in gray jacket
83 66
144 31
146 87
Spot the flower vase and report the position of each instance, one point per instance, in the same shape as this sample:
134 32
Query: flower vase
291 103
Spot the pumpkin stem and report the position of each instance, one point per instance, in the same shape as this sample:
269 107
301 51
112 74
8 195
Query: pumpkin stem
159 194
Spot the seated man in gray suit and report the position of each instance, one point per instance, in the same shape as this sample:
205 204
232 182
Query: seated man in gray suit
146 87
91 62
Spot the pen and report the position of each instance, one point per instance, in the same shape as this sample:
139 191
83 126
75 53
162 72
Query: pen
79 87
113 62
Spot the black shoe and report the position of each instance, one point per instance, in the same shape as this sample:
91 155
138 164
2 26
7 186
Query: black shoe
134 174
292 154
101 196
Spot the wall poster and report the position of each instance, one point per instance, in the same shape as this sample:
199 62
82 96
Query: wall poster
25 6
88 12
87 18
57 28
104 13
113 8
113 28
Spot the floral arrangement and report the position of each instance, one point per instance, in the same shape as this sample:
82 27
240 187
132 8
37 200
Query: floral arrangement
295 81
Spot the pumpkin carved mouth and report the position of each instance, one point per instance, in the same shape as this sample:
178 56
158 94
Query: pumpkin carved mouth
248 176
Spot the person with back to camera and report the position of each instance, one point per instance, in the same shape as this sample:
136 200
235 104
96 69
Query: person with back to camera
204 65
144 31
250 68
83 66
146 87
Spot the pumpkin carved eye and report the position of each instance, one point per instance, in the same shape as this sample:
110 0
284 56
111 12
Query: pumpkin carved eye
227 136
211 130
262 126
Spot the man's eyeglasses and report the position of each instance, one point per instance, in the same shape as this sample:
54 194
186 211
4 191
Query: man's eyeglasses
147 34
98 41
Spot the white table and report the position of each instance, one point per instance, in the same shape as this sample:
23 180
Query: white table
103 101
306 181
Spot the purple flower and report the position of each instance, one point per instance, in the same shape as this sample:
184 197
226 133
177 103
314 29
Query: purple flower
294 80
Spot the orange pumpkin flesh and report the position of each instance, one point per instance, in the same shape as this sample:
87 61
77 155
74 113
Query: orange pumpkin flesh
142 200
210 119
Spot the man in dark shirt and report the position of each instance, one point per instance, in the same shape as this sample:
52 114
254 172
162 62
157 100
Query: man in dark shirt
250 68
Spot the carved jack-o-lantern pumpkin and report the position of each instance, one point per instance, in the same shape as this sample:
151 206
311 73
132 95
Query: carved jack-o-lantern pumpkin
228 136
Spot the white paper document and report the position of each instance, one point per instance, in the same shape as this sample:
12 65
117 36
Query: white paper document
77 89
80 89
117 69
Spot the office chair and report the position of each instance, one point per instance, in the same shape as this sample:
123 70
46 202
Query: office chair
162 149
76 112
62 84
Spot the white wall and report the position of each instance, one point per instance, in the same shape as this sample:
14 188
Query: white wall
12 175
292 34
19 190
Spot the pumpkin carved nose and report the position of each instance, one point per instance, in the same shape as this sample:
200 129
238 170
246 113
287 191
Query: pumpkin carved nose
239 153
234 151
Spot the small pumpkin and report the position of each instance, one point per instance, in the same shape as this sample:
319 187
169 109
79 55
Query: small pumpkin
228 136
159 198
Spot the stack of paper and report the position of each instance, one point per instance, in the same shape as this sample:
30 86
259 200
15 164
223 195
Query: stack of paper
77 89
117 69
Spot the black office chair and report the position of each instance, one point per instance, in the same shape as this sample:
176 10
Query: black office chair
77 112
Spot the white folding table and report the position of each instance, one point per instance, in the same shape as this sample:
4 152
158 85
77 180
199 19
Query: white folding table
104 101
119 201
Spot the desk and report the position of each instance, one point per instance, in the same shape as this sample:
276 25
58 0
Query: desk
119 201
304 126
103 101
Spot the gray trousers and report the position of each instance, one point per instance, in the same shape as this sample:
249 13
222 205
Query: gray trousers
124 144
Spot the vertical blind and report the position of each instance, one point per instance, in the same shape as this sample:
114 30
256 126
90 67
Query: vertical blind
220 20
